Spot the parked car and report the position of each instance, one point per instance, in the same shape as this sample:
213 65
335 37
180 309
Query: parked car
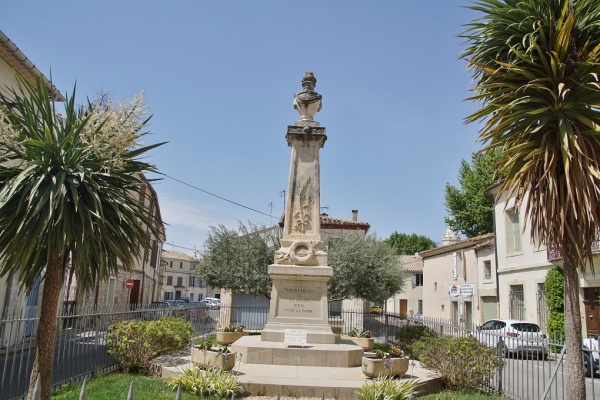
197 310
515 337
591 355
213 303
376 310
159 309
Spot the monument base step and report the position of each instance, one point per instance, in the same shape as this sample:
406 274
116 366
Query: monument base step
252 350
296 381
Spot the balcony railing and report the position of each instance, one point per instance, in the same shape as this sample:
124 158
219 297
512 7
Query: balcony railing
553 255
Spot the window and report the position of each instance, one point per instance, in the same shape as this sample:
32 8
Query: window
180 264
487 269
191 296
168 295
417 280
201 283
420 306
192 266
513 231
192 281
179 281
170 280
517 302
170 264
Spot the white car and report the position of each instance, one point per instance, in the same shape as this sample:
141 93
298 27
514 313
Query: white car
514 337
591 355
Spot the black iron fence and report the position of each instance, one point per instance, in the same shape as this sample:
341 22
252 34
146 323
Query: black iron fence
80 347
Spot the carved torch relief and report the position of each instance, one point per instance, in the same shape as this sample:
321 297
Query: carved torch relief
303 207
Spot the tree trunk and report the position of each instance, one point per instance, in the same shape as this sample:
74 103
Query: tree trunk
574 377
46 331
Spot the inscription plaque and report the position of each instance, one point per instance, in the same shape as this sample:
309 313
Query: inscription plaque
295 337
297 300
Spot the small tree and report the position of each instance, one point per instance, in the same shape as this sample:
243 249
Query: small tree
238 259
363 268
403 243
68 186
469 207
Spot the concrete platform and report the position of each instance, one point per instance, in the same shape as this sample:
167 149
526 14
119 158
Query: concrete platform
252 350
306 381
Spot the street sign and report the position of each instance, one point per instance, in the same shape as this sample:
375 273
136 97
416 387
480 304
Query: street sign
129 284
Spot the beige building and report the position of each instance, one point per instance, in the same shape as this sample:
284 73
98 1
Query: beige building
410 301
459 280
179 278
522 269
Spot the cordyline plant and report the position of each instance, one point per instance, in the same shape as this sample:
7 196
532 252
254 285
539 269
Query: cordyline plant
536 64
69 186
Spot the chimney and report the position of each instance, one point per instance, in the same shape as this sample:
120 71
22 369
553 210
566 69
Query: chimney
354 215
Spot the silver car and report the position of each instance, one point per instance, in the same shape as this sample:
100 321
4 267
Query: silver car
514 337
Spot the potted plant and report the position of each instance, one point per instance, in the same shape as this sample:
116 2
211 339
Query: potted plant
206 354
230 334
364 339
392 362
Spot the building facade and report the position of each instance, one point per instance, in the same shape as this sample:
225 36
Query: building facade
459 280
179 278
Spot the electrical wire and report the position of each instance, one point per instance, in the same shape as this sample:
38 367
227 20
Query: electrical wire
214 195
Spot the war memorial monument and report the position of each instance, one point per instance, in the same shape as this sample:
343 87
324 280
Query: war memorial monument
298 331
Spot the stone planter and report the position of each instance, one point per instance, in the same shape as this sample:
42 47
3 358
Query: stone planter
229 337
210 358
365 343
374 367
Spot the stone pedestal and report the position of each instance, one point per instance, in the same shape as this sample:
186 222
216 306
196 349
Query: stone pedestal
299 301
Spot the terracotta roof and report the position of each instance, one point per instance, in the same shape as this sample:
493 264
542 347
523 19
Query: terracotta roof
176 255
328 222
411 263
475 242
10 53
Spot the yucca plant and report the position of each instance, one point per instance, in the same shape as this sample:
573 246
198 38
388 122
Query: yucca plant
206 382
536 64
387 388
68 185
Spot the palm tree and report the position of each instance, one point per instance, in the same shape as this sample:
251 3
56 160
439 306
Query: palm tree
67 185
537 68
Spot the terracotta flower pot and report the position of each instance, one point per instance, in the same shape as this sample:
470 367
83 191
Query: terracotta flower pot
374 367
365 343
229 337
210 358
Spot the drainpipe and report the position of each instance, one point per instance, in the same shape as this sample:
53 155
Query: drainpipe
496 254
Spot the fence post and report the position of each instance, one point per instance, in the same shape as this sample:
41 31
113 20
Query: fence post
130 394
500 363
83 393
178 395
37 389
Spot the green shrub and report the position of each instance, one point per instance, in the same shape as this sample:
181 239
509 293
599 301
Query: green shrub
410 334
386 388
134 344
555 296
207 382
463 363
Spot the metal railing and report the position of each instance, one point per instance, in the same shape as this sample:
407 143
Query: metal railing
80 348
529 372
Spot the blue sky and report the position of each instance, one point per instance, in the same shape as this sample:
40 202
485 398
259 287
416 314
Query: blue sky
219 78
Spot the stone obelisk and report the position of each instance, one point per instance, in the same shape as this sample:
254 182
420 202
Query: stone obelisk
300 272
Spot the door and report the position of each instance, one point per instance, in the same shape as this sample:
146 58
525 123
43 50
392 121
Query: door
403 306
592 311
134 293
490 309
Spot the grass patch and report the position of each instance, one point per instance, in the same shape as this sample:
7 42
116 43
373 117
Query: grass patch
381 346
461 395
116 386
